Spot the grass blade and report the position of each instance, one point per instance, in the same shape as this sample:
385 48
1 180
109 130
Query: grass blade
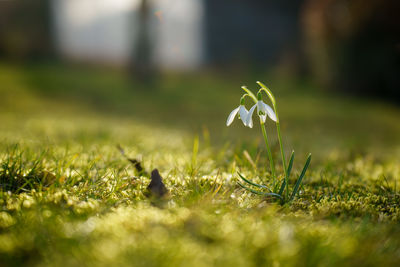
195 151
260 193
192 166
249 159
289 169
303 172
252 183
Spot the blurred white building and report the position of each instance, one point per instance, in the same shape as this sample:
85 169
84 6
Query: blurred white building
105 31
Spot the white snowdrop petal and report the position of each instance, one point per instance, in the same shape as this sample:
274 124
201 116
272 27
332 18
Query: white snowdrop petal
250 123
243 114
231 116
270 112
249 119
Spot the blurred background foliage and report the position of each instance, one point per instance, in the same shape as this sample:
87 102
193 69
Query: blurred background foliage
333 64
340 45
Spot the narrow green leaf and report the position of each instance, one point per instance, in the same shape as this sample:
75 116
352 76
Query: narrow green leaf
282 187
252 183
251 190
273 195
260 193
289 169
303 172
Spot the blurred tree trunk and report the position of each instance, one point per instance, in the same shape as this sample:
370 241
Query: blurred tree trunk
142 67
353 46
25 30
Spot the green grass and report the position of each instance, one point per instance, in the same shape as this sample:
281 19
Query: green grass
69 198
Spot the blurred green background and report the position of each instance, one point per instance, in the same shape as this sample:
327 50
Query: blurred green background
333 65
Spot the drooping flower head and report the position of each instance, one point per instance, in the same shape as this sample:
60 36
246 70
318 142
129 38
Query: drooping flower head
263 110
242 113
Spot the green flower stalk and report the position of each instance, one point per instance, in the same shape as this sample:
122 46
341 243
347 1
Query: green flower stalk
263 110
278 129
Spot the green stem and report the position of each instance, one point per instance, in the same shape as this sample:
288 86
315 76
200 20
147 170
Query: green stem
271 162
250 93
278 129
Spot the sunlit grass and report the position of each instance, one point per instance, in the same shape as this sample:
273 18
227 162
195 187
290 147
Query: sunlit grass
69 198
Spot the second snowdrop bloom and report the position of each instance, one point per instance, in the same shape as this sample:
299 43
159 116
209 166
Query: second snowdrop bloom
243 113
263 110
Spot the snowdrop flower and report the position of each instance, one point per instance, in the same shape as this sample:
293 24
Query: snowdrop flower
243 113
263 110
